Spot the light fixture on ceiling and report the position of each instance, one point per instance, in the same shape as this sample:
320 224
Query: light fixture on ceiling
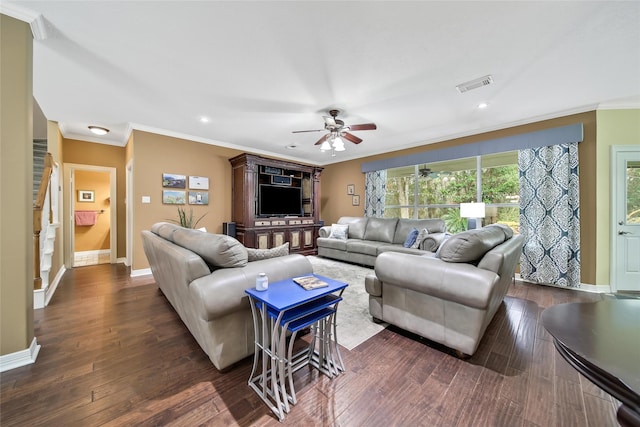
475 83
338 144
326 146
204 119
333 143
99 130
483 105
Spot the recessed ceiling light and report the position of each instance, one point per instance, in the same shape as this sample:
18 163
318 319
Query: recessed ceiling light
291 146
99 130
204 119
483 105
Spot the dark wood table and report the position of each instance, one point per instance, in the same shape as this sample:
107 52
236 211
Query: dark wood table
602 341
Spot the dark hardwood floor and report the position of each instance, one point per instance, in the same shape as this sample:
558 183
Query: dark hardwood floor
115 353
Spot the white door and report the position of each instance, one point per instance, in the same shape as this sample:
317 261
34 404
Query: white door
625 265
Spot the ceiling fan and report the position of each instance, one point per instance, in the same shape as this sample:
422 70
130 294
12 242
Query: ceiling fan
337 129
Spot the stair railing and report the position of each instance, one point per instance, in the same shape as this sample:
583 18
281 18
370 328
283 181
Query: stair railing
38 204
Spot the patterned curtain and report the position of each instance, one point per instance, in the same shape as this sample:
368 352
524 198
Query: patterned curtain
375 187
550 214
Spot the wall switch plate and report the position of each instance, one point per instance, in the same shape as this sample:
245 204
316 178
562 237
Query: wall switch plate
146 199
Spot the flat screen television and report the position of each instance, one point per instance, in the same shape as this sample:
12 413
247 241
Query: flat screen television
279 200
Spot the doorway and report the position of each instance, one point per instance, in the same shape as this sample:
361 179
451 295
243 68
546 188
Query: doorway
625 218
92 233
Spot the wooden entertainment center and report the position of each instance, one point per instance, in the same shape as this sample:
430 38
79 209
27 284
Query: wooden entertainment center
265 208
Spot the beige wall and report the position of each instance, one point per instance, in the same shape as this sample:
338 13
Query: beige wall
89 153
157 154
336 203
16 186
615 127
94 237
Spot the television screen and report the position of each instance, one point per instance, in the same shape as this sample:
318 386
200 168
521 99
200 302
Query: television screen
277 200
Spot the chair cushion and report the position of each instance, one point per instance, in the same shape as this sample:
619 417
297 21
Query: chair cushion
339 231
258 254
357 225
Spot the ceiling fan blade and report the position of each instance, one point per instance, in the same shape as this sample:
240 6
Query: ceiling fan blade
329 121
314 130
352 138
323 139
364 126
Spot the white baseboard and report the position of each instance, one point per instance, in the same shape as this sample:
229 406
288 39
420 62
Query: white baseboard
586 287
141 272
20 358
42 297
121 261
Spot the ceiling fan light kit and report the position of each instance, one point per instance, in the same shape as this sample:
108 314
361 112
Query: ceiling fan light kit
334 140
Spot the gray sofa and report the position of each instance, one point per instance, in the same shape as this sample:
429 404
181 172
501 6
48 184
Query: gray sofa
449 297
369 237
204 277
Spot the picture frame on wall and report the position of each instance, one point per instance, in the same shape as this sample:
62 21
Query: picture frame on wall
198 198
355 200
172 180
86 196
173 197
198 183
351 189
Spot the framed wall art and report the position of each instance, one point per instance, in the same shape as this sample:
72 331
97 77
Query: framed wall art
198 198
86 196
172 180
198 183
173 197
355 200
351 189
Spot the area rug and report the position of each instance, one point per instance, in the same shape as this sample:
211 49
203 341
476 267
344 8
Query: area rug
354 324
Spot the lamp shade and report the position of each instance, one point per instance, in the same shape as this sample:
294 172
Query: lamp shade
472 210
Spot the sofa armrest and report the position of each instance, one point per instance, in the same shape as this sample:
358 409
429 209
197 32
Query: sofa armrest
324 231
459 282
432 241
222 292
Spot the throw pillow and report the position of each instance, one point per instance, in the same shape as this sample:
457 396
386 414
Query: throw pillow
339 231
444 239
411 238
421 236
258 254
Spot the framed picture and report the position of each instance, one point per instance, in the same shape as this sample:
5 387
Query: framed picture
355 200
171 180
198 183
86 196
173 197
198 198
351 189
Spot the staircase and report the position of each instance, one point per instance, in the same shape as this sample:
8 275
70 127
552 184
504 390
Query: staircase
45 220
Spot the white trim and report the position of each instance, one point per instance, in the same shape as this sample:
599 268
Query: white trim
20 358
42 297
34 19
121 261
585 287
141 272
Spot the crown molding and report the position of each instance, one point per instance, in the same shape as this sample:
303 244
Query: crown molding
35 20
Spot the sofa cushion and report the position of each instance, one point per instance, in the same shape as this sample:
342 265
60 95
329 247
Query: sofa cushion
433 225
357 225
411 238
339 231
422 234
367 247
258 254
470 246
165 230
381 229
325 242
218 250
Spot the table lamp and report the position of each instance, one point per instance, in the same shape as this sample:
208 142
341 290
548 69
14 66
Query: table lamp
474 212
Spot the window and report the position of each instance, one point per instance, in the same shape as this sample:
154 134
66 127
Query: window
435 190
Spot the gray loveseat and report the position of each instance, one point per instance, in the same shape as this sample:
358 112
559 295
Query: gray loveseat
204 277
449 298
368 237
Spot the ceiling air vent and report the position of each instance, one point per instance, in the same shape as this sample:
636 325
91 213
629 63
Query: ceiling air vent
474 84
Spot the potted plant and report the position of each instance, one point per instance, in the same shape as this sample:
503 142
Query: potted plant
187 220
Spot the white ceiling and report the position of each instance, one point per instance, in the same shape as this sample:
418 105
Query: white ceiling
260 70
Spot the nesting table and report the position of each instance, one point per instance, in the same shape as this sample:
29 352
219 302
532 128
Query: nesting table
279 313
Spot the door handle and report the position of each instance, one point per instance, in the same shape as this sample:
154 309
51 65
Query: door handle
623 232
